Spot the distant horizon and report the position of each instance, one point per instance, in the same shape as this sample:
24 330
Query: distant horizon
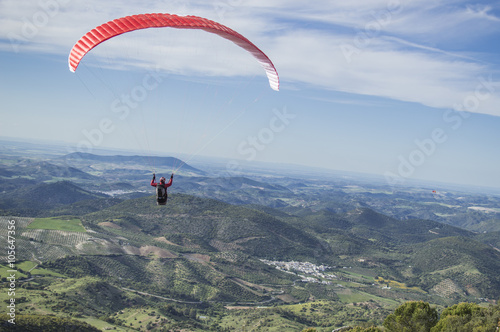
257 165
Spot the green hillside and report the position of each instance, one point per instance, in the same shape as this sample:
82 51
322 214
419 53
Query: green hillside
456 265
259 253
32 200
61 223
88 158
491 238
45 171
35 323
213 224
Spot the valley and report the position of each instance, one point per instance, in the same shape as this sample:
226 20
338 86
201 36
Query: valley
259 249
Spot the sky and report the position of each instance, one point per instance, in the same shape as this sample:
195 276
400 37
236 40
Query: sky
404 89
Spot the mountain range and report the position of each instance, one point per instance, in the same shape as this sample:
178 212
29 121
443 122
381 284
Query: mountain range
218 242
361 237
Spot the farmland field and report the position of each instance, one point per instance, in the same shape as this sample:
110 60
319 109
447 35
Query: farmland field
61 224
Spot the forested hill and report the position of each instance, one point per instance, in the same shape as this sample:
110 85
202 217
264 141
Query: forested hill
34 199
40 323
200 252
214 225
167 162
92 244
362 235
43 171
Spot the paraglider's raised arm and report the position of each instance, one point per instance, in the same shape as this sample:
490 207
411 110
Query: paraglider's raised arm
143 21
166 185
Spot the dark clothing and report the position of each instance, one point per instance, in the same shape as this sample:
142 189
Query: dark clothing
161 191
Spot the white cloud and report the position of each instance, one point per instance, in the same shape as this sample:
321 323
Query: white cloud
396 45
481 12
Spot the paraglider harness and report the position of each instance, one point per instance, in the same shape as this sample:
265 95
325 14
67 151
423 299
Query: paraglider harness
161 191
161 194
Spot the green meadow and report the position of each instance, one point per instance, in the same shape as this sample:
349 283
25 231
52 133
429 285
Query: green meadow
58 223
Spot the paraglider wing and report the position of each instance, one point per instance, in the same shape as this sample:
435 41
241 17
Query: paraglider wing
143 21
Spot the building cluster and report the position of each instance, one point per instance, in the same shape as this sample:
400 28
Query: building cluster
313 272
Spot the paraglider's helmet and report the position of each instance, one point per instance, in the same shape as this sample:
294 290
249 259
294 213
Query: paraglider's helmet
162 180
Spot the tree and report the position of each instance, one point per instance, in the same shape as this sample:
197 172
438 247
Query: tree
412 316
468 317
43 323
192 313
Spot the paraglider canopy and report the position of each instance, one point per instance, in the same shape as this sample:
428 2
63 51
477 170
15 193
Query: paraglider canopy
158 20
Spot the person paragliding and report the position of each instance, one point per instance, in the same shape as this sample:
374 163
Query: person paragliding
132 23
161 189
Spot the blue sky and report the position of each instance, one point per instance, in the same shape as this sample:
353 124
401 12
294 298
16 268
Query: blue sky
402 89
